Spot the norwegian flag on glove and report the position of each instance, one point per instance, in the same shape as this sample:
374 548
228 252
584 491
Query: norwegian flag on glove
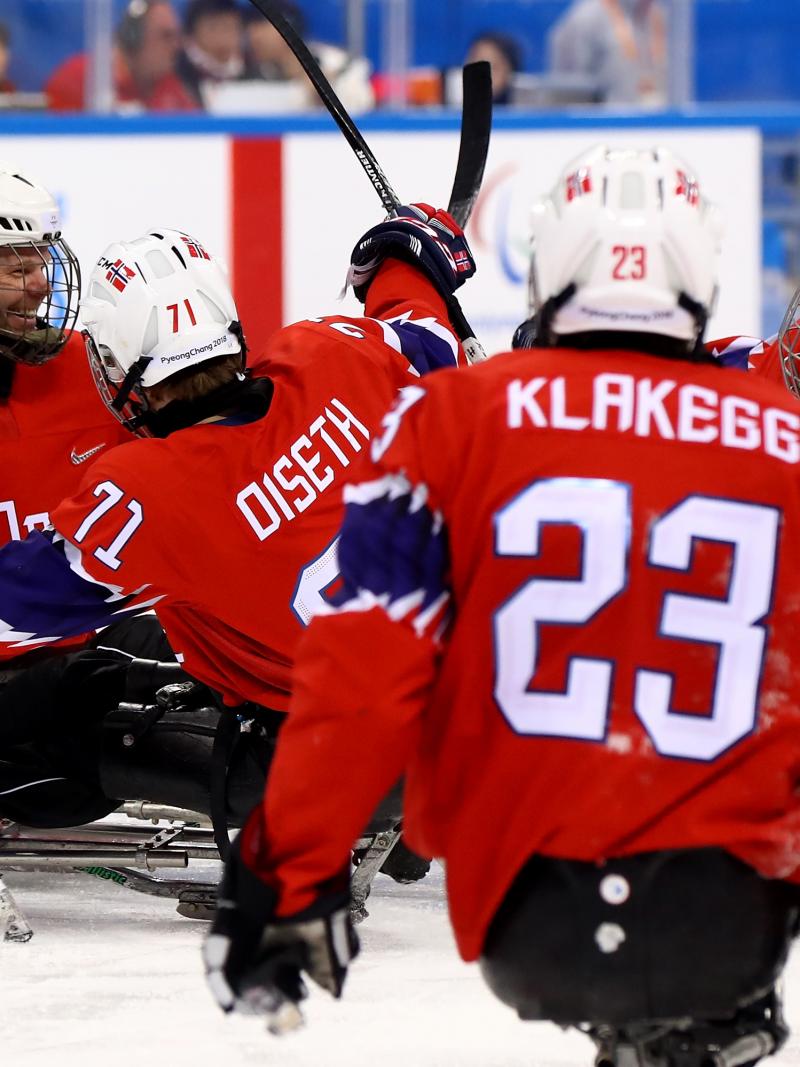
428 238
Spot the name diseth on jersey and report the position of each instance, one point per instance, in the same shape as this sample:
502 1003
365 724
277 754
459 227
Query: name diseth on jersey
298 471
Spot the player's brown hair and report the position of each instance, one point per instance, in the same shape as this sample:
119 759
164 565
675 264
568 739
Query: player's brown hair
193 382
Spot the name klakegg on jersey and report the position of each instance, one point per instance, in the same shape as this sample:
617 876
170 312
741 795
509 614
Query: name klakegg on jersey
656 408
302 473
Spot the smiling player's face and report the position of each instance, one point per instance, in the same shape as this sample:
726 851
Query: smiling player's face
24 285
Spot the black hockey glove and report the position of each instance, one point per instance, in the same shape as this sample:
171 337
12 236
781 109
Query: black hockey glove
429 239
255 961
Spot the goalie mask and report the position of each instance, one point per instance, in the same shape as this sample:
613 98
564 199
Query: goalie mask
155 307
625 243
40 278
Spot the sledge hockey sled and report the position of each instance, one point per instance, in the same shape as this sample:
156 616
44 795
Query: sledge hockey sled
202 770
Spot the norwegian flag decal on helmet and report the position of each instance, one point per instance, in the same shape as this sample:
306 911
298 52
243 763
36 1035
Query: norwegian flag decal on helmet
119 274
687 188
196 250
579 183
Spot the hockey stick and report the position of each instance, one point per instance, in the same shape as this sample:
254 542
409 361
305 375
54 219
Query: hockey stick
272 13
364 154
476 129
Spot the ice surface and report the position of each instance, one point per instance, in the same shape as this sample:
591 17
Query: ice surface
112 977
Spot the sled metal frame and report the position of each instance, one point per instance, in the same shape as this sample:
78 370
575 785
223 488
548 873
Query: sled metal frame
755 1031
129 855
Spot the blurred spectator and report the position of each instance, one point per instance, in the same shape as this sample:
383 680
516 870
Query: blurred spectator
504 55
620 45
270 56
6 86
274 61
148 41
213 48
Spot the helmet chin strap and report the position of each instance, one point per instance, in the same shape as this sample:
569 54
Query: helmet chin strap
535 331
526 334
237 331
135 372
698 311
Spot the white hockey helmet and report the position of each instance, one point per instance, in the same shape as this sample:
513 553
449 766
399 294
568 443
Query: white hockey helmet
40 280
155 306
624 243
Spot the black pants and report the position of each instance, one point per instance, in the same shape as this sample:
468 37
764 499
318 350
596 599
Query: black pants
658 936
80 733
50 713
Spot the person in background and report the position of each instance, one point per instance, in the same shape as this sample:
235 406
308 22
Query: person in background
620 44
269 55
213 48
504 55
6 86
148 41
272 60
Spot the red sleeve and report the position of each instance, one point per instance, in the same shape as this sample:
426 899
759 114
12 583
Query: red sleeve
362 679
347 740
397 287
111 529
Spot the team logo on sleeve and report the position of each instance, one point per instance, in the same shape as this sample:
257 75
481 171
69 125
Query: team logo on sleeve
119 274
196 250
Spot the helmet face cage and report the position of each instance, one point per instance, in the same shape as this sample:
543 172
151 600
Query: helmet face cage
59 275
789 345
109 378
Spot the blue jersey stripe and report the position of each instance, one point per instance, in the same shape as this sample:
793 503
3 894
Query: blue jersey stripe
426 344
43 597
393 554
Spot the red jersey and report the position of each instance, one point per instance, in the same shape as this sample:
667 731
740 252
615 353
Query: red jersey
615 537
52 426
229 527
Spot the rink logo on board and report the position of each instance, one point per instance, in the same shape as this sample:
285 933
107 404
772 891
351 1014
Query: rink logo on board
119 274
578 184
